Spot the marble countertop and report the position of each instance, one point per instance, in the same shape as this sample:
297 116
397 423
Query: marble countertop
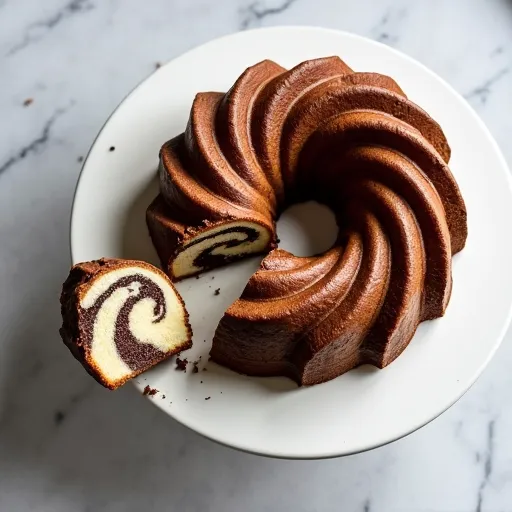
66 444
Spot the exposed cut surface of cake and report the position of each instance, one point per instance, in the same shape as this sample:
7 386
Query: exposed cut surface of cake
121 317
350 140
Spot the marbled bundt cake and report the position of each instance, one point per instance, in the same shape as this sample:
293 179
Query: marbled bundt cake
121 317
352 141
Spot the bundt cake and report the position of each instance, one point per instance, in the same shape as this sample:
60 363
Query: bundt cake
121 317
351 141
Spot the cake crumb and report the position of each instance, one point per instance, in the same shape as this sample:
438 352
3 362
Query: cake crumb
216 292
112 148
207 398
278 241
201 382
163 397
181 364
205 369
213 277
195 369
198 276
158 65
59 417
149 391
28 102
80 159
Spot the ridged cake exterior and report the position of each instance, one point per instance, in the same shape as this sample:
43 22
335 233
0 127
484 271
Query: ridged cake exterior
352 141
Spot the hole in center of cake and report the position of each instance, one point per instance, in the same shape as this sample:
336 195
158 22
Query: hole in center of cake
306 229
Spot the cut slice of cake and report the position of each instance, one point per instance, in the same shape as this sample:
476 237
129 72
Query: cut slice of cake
121 317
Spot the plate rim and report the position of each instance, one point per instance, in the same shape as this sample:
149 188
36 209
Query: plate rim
312 29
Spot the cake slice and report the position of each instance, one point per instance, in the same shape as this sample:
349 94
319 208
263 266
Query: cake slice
121 317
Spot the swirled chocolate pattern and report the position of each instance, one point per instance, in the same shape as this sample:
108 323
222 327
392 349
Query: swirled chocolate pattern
350 140
121 317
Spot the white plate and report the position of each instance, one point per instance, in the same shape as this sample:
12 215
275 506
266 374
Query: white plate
366 407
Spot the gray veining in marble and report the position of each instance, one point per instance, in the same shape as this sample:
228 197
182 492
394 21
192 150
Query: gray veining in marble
68 445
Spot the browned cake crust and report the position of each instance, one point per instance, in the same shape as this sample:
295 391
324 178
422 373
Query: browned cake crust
78 322
354 142
170 237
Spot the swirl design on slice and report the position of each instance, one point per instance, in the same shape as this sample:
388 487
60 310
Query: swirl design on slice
121 317
350 140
